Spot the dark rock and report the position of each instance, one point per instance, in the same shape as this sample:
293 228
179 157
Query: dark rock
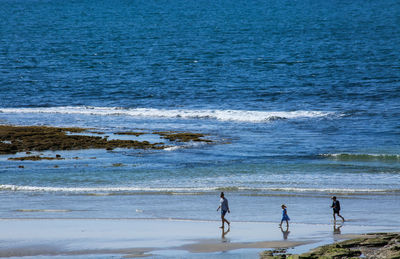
15 139
351 243
33 158
182 136
266 254
137 134
374 242
377 245
395 248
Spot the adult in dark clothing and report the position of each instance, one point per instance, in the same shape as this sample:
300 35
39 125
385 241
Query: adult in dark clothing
336 208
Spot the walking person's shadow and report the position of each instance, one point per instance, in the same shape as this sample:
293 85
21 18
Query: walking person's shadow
285 233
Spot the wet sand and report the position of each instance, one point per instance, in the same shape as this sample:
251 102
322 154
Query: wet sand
157 237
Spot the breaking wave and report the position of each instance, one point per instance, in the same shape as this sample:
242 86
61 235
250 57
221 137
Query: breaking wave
185 190
222 115
363 157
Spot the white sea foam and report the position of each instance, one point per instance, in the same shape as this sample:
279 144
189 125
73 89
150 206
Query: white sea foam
185 190
41 210
364 157
9 187
172 148
333 190
222 115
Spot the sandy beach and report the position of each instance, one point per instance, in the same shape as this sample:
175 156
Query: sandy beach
160 238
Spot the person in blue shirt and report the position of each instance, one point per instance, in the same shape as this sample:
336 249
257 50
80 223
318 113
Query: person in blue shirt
285 216
224 206
336 208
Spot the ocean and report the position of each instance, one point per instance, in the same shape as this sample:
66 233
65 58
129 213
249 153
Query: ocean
300 98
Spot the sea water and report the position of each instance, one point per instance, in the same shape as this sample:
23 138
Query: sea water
300 98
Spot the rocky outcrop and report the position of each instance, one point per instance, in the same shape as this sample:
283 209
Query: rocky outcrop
15 139
376 245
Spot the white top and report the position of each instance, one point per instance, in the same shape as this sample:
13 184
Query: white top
224 204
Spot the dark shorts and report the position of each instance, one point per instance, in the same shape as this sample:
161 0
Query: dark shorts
223 212
336 211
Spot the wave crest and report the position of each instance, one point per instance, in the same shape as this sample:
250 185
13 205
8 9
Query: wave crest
222 115
363 157
186 190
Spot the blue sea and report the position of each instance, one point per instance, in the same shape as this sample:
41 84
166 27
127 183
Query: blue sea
300 98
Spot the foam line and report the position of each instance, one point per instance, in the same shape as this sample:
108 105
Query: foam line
364 157
185 189
222 115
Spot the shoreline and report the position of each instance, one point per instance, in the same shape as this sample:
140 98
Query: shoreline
156 237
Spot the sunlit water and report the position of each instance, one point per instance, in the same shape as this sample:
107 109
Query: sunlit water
301 99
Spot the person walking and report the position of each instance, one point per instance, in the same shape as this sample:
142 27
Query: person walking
336 208
224 206
285 216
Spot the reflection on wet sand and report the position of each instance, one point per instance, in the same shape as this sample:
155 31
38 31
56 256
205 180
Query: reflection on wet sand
224 233
285 232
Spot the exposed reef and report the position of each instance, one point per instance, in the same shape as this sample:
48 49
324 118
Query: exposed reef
34 158
376 245
15 139
137 134
172 135
182 136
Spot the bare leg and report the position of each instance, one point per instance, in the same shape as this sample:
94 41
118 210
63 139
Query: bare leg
340 216
223 219
334 217
227 221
